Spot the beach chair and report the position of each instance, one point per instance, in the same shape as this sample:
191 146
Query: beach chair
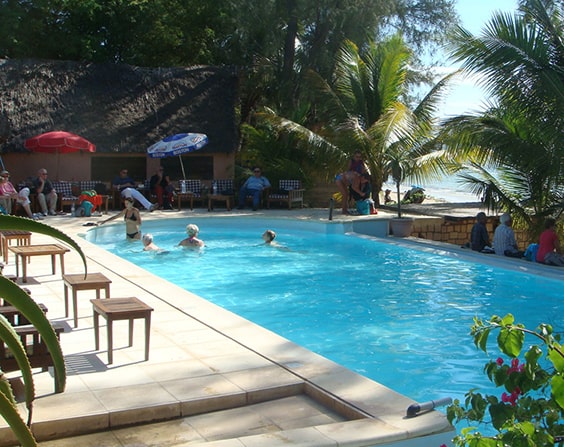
189 189
65 194
289 192
100 188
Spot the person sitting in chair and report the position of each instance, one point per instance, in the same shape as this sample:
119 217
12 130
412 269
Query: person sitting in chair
128 188
46 194
254 186
479 237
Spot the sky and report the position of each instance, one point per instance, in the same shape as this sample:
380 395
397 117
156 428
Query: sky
474 14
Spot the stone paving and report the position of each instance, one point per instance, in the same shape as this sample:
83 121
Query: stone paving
212 378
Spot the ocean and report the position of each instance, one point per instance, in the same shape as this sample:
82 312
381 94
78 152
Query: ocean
446 189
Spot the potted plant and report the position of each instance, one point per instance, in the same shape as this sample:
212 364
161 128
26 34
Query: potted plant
18 298
400 164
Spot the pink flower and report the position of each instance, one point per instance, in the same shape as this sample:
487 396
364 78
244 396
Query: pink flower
511 398
515 367
499 361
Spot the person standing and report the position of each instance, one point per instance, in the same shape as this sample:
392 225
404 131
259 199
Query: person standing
128 189
254 186
504 242
479 237
132 219
46 194
159 185
550 251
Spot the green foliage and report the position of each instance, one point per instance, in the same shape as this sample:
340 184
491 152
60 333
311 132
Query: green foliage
530 410
18 298
513 150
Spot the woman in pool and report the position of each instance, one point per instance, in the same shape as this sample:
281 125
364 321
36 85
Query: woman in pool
192 240
132 219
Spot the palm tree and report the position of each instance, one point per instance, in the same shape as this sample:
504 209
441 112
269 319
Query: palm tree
516 156
363 108
18 298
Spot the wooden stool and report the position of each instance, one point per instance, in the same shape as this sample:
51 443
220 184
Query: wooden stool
93 281
25 252
21 237
219 197
121 309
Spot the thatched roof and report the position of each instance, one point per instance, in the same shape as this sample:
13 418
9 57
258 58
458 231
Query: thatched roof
120 108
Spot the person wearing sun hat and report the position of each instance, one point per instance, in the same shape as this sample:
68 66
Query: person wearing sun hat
7 191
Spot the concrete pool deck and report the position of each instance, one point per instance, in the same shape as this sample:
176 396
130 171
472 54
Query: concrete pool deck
215 379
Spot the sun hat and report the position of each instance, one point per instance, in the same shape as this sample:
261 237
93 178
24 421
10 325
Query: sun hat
4 173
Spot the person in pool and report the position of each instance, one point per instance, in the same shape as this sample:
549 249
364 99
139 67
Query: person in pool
148 244
132 219
268 236
192 240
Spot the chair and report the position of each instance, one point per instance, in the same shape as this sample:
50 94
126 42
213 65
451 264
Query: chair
37 352
94 185
224 192
147 191
64 193
249 197
289 191
193 190
225 187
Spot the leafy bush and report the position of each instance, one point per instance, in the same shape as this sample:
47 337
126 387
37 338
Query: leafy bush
530 410
17 297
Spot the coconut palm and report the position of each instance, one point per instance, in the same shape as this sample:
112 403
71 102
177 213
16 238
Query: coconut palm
515 145
18 298
364 108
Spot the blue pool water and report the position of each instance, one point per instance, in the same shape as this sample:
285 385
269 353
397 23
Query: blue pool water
399 316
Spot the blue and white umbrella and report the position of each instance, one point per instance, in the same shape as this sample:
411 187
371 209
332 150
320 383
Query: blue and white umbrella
178 144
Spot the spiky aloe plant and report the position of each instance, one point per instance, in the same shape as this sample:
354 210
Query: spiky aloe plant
32 312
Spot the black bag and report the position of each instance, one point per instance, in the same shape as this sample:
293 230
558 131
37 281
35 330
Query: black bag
101 188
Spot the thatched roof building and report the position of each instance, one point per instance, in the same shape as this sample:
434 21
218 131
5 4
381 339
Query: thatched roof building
120 108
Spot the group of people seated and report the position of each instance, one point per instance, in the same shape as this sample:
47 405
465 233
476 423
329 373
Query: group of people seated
547 251
40 185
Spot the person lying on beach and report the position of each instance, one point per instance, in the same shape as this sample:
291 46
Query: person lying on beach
192 240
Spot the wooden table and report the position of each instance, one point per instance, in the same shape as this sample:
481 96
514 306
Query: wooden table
215 197
21 237
121 309
93 281
25 252
184 195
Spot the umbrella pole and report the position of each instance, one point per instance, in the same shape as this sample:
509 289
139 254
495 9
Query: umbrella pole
182 166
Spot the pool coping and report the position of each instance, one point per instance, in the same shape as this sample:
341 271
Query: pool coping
284 366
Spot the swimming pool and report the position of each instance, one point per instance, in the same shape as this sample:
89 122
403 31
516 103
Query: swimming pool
399 316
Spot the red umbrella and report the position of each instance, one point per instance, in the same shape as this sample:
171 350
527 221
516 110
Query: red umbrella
58 142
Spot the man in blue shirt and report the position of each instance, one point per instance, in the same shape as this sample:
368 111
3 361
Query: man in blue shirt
254 186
